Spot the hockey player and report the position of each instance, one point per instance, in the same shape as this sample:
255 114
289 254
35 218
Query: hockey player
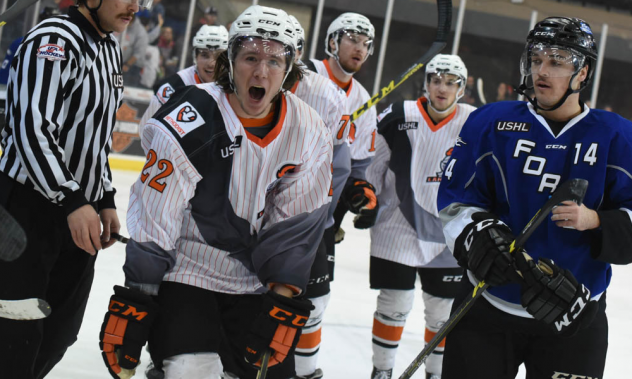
225 217
208 43
65 85
414 143
509 157
349 42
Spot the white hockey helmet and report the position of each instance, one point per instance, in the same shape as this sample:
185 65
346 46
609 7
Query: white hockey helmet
443 64
300 33
349 21
211 37
265 23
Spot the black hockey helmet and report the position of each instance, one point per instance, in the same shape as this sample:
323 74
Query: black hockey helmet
571 34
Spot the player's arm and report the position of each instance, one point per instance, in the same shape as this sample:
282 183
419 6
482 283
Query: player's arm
613 238
376 172
152 108
294 219
154 219
34 115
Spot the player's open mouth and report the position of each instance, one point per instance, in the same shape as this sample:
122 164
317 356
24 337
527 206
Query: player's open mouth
257 93
542 85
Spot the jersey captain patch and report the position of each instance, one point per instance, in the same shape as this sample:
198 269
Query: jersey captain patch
184 119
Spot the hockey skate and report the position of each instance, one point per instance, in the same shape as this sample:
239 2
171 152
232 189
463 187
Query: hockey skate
381 374
315 375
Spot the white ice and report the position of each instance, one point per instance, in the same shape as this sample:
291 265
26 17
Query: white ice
346 347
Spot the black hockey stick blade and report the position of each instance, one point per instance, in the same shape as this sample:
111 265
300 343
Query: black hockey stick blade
263 370
17 8
444 8
12 237
573 189
26 309
119 237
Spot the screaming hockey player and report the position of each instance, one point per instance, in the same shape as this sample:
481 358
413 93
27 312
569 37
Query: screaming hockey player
225 218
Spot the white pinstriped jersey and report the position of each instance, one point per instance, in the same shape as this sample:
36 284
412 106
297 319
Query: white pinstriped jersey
414 150
363 139
327 100
185 77
221 209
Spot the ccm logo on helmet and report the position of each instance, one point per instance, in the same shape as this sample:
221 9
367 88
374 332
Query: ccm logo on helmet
270 22
544 34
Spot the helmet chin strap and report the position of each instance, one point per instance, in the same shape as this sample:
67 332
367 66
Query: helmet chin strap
95 16
534 101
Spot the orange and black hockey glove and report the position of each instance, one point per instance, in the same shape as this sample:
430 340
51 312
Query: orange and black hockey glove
278 327
125 330
359 196
552 295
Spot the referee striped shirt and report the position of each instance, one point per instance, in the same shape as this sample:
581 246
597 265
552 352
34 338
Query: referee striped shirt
65 86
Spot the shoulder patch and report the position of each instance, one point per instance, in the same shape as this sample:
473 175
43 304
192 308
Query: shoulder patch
51 52
512 126
164 92
184 119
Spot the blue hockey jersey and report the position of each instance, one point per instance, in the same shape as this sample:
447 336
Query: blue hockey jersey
507 161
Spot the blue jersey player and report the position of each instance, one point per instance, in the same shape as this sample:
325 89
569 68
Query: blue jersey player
508 159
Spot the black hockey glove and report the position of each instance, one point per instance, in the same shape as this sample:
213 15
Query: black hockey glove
278 327
553 295
360 198
483 248
125 330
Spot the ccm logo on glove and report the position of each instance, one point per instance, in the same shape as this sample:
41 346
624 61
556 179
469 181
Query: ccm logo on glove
118 307
575 310
282 315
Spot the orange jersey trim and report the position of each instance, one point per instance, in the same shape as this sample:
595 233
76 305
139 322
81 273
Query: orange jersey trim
429 121
294 87
335 80
197 78
276 130
387 332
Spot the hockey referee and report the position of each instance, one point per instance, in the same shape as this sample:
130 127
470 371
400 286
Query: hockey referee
65 85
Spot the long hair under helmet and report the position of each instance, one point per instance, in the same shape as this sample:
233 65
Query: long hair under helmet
443 64
267 24
571 35
348 22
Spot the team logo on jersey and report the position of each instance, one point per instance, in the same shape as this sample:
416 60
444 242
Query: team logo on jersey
165 92
408 125
459 142
184 119
187 114
285 169
512 126
385 112
51 52
442 165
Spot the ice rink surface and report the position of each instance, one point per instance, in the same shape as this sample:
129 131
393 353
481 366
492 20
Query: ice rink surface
346 347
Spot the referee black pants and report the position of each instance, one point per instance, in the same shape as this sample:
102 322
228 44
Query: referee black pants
52 268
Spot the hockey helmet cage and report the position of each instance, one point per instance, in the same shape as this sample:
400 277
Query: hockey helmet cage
211 37
350 21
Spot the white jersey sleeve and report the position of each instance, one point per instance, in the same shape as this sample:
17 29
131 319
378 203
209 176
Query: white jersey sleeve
363 142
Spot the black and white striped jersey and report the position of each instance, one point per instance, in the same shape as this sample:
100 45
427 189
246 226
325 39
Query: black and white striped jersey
65 86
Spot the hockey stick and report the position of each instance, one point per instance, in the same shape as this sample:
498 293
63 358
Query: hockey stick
119 237
263 370
18 7
573 189
444 8
479 89
12 237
